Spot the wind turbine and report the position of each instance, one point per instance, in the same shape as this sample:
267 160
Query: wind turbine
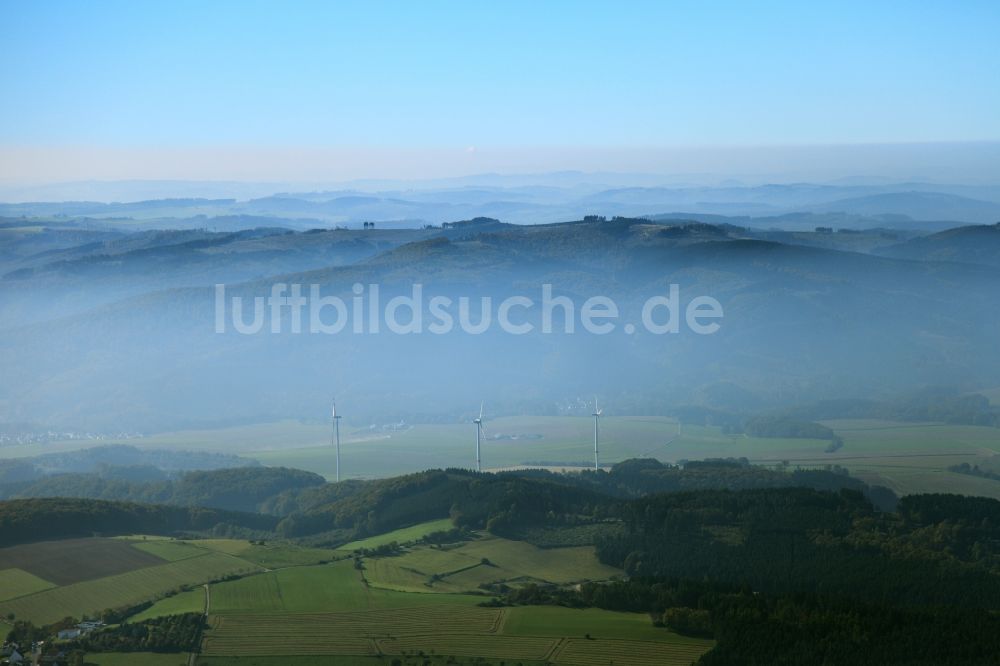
597 417
479 437
336 436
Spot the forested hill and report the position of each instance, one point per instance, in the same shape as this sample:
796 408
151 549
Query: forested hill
304 506
233 489
316 506
23 521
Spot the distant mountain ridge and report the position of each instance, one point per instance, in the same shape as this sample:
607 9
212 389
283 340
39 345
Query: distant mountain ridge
526 204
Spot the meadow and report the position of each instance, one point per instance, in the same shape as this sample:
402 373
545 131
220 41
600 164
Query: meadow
404 535
267 555
17 583
189 601
581 622
325 588
487 559
572 637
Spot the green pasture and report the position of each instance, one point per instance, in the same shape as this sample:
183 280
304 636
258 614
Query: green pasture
404 535
189 601
17 583
324 588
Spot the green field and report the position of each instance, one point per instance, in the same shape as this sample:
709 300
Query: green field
273 555
324 588
353 633
309 612
404 535
189 601
17 583
601 652
332 614
525 634
461 568
79 599
576 622
76 560
914 458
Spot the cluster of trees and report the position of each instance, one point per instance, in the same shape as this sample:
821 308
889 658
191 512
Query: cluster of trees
171 633
782 426
974 470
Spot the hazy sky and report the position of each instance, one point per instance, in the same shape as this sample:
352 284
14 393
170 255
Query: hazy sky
239 89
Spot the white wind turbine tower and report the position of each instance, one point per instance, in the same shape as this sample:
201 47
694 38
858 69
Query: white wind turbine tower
336 436
597 417
479 437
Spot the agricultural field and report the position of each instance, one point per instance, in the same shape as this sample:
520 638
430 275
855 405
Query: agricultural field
914 458
90 596
600 652
189 601
324 588
17 583
352 633
488 559
579 622
305 613
447 630
272 555
169 550
404 535
75 560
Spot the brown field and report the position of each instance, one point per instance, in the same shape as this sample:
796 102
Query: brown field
76 560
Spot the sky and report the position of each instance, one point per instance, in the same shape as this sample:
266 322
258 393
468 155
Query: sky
244 90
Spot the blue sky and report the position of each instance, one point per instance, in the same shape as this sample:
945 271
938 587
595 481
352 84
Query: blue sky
429 76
